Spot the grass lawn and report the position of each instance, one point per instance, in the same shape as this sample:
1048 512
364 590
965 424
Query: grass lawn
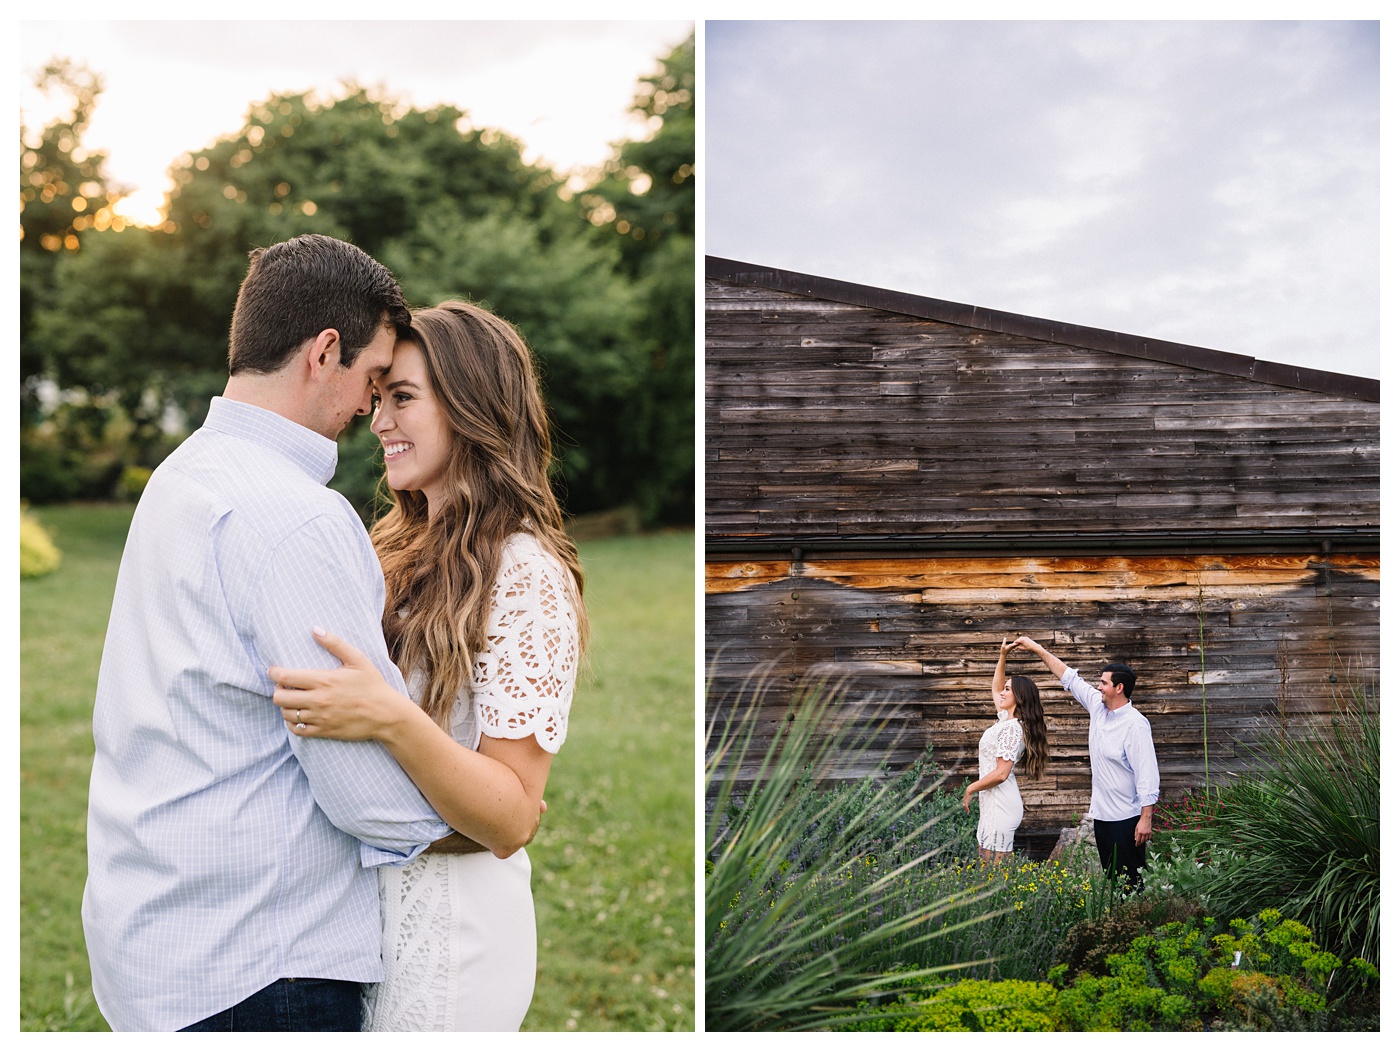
613 861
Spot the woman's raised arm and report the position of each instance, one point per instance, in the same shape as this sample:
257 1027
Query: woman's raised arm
999 676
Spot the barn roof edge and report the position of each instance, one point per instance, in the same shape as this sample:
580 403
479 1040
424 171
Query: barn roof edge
1344 385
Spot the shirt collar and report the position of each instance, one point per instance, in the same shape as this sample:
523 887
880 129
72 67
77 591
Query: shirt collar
312 453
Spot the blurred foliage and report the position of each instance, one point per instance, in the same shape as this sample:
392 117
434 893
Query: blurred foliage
128 326
38 554
647 199
63 195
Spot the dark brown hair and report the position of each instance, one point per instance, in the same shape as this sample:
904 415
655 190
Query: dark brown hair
441 571
1121 675
1032 717
299 288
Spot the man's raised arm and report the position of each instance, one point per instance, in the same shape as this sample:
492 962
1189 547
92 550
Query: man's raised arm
1057 667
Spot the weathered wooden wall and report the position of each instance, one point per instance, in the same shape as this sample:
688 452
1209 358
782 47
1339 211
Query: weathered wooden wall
915 639
943 475
826 420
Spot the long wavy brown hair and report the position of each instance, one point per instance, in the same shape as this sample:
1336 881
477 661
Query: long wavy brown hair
440 571
1032 716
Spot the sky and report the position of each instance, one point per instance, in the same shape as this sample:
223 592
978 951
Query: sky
1210 183
563 88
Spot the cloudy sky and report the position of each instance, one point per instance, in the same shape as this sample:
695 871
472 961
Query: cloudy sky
563 88
1212 183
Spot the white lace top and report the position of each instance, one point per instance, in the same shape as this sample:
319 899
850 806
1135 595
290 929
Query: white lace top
1003 740
523 682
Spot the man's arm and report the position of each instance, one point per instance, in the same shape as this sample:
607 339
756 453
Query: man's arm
324 575
1142 758
1084 693
1057 667
1142 832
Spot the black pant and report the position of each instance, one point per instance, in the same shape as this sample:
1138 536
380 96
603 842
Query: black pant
1117 852
292 1004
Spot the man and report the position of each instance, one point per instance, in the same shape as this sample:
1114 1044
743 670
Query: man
230 863
1122 761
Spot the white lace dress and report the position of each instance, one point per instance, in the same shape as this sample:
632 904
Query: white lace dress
459 930
999 809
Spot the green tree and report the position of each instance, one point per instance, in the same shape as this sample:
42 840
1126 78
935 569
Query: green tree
647 193
646 203
138 321
65 199
63 189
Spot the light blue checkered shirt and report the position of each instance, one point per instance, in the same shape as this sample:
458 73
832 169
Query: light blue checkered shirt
223 852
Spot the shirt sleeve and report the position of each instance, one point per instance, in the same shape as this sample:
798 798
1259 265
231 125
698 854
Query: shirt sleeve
523 683
325 575
1142 757
1090 697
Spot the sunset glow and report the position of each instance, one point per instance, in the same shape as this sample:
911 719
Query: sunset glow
489 70
142 208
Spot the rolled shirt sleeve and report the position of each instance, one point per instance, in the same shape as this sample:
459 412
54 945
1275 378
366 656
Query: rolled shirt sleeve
1142 758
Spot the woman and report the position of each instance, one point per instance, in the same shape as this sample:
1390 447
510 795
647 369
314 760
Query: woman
1019 730
483 614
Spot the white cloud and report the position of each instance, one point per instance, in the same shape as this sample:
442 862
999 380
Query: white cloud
1209 182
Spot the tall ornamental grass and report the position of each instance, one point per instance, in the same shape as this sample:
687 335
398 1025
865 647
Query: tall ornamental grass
1302 835
807 893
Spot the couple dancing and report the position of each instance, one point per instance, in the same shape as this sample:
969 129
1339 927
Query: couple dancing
1122 760
319 752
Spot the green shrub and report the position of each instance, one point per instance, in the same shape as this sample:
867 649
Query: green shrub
50 474
1188 975
38 554
132 482
985 1006
827 893
1033 906
1087 946
1260 974
1303 835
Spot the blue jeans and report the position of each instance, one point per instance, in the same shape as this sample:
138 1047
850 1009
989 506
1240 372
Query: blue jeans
292 1004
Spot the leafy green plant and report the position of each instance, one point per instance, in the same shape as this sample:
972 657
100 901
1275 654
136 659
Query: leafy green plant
1260 974
1195 808
133 482
982 1005
1196 974
1034 905
1087 946
1304 833
38 554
